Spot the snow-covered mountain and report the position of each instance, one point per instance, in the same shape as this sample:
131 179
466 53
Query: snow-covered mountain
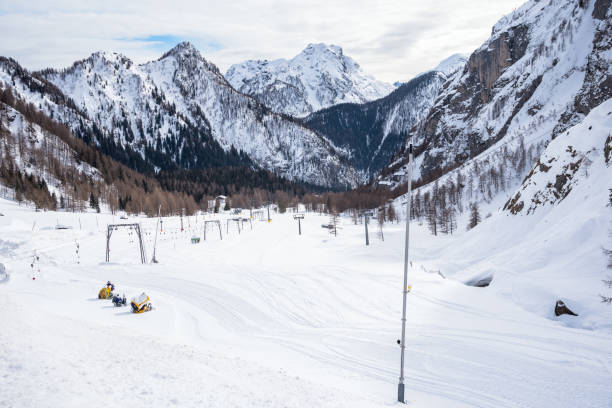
373 132
179 111
451 64
318 77
545 66
577 159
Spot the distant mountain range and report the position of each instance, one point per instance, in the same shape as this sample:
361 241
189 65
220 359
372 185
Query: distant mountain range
177 112
366 118
318 118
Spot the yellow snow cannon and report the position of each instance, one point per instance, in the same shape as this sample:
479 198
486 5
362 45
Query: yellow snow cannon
107 291
141 304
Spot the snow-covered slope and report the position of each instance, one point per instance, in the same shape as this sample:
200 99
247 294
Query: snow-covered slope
547 242
451 64
295 321
545 66
579 158
29 151
318 77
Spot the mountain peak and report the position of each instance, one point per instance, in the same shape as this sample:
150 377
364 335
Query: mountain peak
184 48
109 56
320 76
321 48
104 58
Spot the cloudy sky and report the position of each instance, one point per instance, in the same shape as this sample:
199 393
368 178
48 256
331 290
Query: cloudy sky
392 40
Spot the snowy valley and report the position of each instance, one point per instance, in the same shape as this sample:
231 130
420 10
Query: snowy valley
272 205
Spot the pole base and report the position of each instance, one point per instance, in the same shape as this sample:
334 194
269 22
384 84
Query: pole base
400 393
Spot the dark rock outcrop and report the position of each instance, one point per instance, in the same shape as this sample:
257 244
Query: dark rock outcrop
561 309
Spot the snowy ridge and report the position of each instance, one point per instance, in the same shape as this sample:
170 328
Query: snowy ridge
451 64
183 81
180 107
272 141
319 77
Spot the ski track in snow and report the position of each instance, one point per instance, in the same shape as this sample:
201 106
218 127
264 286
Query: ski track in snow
269 318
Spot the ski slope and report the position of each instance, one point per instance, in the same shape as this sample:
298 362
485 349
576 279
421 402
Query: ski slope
268 318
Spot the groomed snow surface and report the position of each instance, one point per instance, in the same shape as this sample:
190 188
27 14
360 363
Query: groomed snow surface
273 319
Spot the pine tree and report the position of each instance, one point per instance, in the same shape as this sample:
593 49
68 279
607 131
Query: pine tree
452 220
391 213
474 216
418 205
443 220
432 219
93 201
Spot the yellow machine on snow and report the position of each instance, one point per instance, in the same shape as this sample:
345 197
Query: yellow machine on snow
107 291
141 303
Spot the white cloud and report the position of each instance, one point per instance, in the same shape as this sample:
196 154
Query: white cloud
393 40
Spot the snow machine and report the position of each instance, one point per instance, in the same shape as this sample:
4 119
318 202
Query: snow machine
107 291
141 303
119 301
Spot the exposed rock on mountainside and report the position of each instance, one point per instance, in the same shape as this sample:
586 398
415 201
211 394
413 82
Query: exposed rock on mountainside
574 156
545 66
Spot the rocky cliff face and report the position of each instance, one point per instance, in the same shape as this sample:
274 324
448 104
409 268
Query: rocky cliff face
544 67
487 64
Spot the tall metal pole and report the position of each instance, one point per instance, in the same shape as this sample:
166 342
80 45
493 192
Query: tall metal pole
154 260
400 387
109 231
365 222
